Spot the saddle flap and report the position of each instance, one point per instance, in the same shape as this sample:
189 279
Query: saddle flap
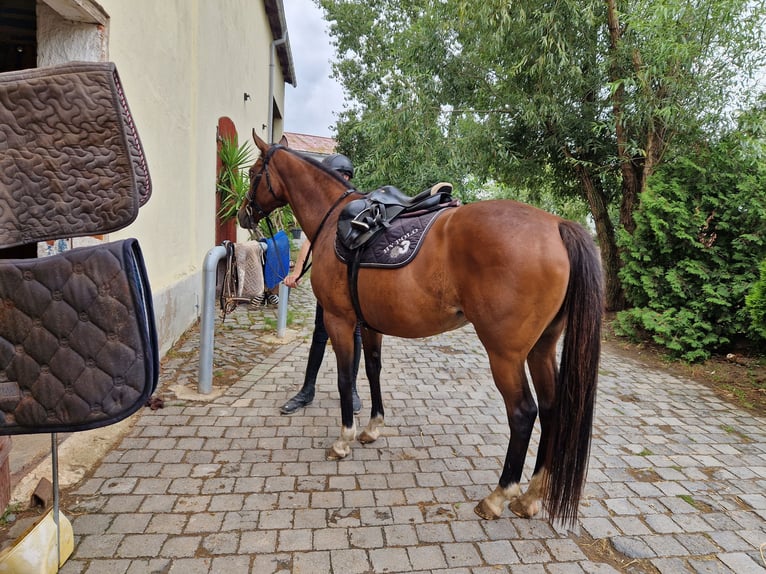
78 342
71 162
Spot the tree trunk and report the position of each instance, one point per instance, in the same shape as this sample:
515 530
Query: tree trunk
610 256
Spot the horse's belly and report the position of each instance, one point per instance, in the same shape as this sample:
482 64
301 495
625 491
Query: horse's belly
415 325
403 304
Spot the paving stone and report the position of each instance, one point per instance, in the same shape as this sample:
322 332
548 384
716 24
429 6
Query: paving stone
498 552
461 554
531 551
632 547
351 561
426 557
564 550
390 560
741 562
135 545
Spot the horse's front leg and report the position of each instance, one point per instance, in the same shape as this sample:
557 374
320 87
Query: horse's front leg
372 341
342 336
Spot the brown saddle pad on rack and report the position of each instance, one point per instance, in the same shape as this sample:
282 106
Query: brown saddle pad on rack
71 162
78 343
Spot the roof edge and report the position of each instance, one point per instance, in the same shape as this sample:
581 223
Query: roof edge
275 11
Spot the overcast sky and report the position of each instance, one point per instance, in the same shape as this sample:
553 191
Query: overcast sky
310 108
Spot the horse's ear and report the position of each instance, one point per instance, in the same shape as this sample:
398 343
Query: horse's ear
260 144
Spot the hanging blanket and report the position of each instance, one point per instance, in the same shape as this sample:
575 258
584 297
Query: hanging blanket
277 262
71 162
250 269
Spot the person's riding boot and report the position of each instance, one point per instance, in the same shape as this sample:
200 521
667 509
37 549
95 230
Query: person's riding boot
356 398
303 398
306 395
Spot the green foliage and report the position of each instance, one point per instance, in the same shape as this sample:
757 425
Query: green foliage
694 255
523 94
233 181
756 302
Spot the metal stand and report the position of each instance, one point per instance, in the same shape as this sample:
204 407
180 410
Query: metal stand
55 467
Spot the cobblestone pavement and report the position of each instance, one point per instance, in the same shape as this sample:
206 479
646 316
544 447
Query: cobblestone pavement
677 479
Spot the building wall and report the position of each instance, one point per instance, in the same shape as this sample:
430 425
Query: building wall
183 64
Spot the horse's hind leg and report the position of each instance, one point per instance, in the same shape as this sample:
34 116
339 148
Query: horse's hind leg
511 380
544 371
372 365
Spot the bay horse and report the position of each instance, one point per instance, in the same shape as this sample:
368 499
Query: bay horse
520 275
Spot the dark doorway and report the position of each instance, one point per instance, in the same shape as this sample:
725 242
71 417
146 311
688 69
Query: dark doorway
18 35
18 50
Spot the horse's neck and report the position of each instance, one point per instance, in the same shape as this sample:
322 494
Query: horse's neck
312 194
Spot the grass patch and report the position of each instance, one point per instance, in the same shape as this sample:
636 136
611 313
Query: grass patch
701 506
9 516
731 430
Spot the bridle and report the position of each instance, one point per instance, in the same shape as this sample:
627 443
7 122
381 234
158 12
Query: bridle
252 206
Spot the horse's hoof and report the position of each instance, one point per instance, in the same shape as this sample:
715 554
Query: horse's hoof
366 437
522 510
336 452
484 511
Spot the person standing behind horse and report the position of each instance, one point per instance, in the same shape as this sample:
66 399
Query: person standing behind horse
305 396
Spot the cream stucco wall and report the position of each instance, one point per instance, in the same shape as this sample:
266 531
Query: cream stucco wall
183 64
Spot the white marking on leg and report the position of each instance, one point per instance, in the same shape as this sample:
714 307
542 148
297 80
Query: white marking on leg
528 504
341 448
492 506
372 431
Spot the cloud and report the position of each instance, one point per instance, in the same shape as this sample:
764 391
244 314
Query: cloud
311 107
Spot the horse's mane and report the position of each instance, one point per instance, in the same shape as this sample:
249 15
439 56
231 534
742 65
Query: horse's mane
319 165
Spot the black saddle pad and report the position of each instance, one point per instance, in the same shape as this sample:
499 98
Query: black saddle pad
396 246
78 343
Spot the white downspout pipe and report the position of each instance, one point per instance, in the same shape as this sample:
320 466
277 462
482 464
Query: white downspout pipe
272 65
283 289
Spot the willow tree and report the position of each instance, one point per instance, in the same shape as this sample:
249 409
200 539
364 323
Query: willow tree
584 94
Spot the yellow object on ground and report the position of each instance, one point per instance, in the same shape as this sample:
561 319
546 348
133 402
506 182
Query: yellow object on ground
35 551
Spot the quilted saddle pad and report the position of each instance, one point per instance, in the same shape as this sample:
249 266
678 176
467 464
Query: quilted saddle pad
71 162
78 342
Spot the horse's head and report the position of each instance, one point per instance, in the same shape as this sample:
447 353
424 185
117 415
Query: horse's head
262 198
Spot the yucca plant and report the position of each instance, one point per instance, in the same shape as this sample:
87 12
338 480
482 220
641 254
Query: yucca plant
233 181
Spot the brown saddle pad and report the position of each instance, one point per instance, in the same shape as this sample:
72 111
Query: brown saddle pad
78 343
71 162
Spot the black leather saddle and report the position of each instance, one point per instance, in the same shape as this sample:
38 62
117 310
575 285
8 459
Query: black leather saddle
364 219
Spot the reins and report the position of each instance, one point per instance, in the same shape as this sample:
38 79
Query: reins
306 264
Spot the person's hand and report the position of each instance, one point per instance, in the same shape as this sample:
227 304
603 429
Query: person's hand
292 280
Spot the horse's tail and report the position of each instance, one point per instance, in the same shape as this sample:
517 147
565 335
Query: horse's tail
578 375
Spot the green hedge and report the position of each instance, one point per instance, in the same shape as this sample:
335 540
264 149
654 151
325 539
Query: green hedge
695 253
